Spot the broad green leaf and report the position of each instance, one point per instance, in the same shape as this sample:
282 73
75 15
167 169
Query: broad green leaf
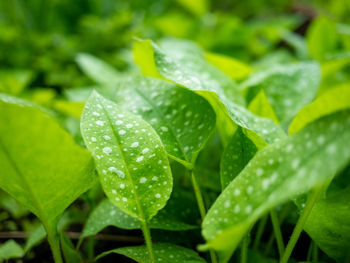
231 67
14 81
261 106
163 252
70 254
10 249
333 100
184 64
182 119
277 173
96 69
288 87
321 37
236 156
130 158
329 225
40 165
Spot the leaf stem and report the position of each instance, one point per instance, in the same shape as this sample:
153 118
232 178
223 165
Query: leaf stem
314 195
147 235
54 242
201 206
277 231
244 249
259 232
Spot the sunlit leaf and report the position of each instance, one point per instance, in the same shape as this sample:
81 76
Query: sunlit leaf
333 100
130 158
261 106
277 173
14 81
163 252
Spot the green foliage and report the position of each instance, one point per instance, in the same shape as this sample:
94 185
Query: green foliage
10 249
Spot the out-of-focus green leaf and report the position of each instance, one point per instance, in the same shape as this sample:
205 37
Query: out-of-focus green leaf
321 37
231 67
182 119
163 252
277 173
197 7
10 249
329 225
71 108
14 81
40 165
130 158
335 99
70 254
287 87
261 106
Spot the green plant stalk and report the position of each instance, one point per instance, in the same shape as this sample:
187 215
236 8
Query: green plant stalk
315 252
277 231
54 244
147 235
313 197
259 232
244 249
201 206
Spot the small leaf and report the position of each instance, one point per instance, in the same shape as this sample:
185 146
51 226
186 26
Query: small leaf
333 100
97 69
163 252
261 106
236 156
14 81
184 64
130 158
40 165
277 173
182 119
10 249
71 255
288 87
329 224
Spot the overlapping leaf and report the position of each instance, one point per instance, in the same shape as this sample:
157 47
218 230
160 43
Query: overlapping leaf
40 165
277 173
184 64
182 119
130 158
288 87
163 252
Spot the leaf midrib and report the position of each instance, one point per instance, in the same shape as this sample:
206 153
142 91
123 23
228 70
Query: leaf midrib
125 163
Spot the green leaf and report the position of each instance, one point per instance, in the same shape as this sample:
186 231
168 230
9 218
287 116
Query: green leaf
14 81
261 106
98 70
333 100
163 252
40 165
130 158
197 7
184 64
71 255
10 249
236 156
277 173
182 119
321 37
329 224
288 87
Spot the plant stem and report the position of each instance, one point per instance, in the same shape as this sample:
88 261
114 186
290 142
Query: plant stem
201 206
314 195
315 252
259 232
52 237
244 249
147 235
277 231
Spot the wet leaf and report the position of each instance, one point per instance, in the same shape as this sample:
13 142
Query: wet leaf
182 119
163 252
130 158
277 173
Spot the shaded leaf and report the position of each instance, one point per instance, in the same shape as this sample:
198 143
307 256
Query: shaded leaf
277 173
182 119
70 254
130 158
333 100
163 252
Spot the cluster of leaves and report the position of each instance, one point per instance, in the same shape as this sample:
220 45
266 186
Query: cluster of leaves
195 149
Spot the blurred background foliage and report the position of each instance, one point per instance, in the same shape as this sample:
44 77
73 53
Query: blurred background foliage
39 39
